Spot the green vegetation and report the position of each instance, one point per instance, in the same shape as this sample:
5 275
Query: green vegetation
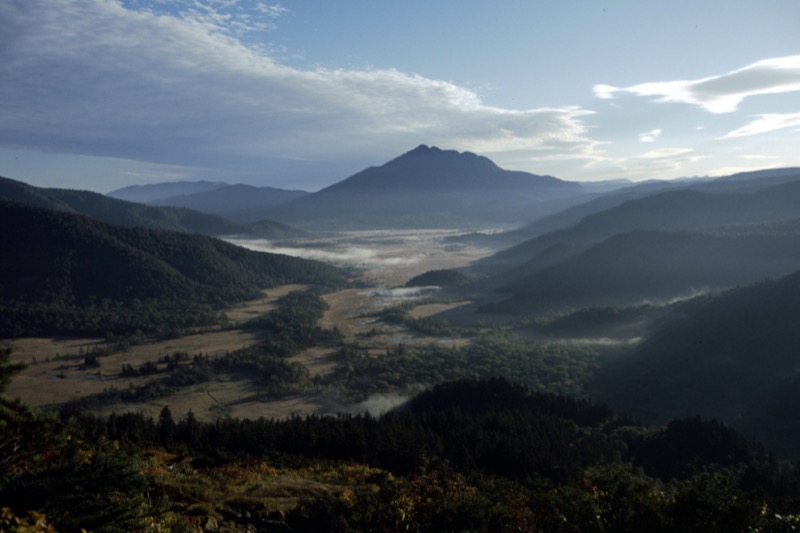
464 456
731 356
71 274
439 278
398 315
7 369
287 330
76 479
406 367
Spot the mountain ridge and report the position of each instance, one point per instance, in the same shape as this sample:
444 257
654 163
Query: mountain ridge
239 202
144 194
131 214
678 209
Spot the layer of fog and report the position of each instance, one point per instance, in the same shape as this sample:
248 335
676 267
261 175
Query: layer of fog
692 293
402 293
599 341
377 404
345 255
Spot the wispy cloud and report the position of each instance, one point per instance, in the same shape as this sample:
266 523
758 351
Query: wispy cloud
662 153
724 93
176 83
661 161
650 136
766 123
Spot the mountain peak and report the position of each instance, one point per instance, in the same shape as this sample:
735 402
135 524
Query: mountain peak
427 155
422 149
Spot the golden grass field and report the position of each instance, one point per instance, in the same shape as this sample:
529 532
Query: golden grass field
55 373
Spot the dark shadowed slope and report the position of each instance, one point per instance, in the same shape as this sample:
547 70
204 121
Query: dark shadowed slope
67 273
732 356
672 210
639 266
745 182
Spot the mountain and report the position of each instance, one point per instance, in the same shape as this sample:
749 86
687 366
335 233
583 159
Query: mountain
430 187
731 356
745 182
671 210
113 211
637 266
145 194
752 180
241 203
67 273
607 195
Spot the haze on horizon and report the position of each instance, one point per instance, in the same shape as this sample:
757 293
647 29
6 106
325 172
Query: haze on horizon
99 94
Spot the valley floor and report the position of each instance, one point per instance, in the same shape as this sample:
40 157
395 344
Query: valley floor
385 259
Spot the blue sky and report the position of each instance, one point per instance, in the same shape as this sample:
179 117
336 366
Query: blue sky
99 94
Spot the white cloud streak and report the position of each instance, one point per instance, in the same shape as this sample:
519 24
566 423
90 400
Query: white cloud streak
766 123
99 77
650 136
720 94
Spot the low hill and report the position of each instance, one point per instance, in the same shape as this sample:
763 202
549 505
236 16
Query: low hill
67 273
113 211
439 278
242 203
430 187
145 194
731 356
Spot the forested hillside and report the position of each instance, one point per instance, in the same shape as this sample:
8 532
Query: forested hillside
69 273
638 266
731 356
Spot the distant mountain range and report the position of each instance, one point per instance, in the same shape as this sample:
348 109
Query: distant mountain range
240 203
745 182
145 194
431 187
423 188
125 213
680 209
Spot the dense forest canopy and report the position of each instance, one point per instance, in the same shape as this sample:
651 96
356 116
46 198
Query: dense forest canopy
69 273
478 456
